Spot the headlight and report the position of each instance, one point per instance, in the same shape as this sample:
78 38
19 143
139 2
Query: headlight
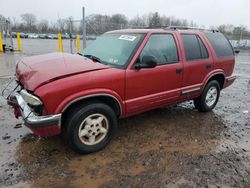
30 99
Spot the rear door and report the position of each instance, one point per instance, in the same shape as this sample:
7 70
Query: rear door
198 62
149 88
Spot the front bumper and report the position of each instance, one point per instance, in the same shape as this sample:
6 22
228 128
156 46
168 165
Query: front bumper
49 125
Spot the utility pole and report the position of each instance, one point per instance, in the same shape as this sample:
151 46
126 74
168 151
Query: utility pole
70 35
10 32
83 28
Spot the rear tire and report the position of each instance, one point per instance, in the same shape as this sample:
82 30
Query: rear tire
89 128
209 97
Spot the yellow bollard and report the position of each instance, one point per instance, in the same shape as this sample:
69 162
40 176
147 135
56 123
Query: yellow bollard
60 45
1 43
19 45
78 41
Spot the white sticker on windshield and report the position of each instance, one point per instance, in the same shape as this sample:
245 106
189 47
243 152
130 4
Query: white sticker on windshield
127 37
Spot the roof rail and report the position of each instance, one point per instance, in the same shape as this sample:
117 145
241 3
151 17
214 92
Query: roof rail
157 27
190 28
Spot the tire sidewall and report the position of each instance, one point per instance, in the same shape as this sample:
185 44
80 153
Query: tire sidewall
203 104
76 120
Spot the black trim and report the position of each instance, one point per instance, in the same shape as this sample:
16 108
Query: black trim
47 123
202 43
179 71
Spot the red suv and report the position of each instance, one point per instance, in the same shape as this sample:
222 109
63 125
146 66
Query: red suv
121 74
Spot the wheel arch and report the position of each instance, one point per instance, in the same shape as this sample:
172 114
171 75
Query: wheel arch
219 77
108 99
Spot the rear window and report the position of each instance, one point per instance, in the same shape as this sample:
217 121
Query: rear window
220 44
194 47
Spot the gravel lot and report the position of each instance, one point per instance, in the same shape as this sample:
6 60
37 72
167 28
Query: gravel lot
168 147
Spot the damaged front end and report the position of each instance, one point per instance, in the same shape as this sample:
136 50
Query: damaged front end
31 108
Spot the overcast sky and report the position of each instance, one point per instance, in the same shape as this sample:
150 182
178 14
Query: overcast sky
202 12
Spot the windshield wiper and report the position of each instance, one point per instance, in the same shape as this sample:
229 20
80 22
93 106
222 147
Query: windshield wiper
94 58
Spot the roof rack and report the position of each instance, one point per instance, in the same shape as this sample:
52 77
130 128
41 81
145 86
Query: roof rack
157 27
190 28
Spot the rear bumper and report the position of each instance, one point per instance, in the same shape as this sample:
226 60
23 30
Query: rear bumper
41 125
229 81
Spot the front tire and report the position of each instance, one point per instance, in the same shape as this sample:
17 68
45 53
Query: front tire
89 128
209 97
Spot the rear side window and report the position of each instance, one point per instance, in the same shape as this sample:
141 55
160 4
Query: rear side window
204 53
194 47
221 45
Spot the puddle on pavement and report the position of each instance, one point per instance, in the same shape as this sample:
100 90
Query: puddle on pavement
142 144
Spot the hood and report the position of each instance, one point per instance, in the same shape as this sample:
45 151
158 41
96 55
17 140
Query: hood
35 71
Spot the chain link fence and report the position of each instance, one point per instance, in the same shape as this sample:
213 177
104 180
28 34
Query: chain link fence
240 41
5 30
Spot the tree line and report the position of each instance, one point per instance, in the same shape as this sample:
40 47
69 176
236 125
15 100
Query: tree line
98 23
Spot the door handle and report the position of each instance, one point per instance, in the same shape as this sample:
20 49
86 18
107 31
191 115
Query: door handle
208 66
178 71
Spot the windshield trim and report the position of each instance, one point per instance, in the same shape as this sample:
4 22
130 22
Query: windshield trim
133 51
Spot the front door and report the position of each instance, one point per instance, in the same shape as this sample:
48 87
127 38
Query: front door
149 88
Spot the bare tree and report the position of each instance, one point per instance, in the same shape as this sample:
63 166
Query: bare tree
61 24
99 23
29 21
154 20
192 24
69 25
14 22
43 26
165 21
137 22
2 18
119 21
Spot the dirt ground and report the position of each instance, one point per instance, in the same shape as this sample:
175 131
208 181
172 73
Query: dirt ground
168 147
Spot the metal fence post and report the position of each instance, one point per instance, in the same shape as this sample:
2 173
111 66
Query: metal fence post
70 35
83 28
11 39
1 42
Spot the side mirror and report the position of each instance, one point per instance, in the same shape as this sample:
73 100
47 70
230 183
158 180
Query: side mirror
237 51
147 62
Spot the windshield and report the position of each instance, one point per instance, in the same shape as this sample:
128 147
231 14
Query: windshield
114 49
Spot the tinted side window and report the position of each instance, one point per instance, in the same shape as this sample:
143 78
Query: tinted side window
204 52
220 44
162 47
194 47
